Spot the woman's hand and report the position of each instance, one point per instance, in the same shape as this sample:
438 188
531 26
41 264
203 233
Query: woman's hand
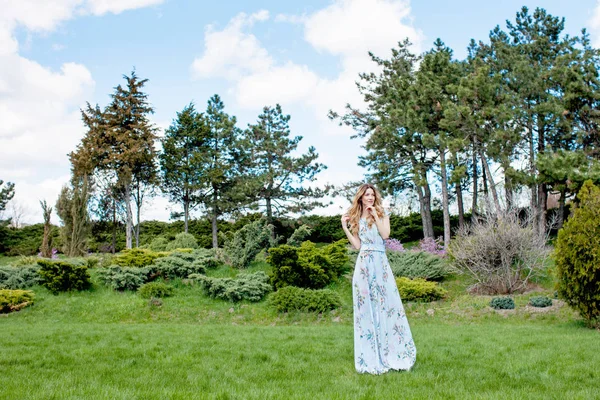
371 211
345 219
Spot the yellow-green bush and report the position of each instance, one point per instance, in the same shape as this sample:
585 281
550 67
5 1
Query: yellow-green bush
292 298
577 253
136 258
63 276
12 300
419 290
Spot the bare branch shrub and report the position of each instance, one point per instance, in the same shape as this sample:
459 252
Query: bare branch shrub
500 252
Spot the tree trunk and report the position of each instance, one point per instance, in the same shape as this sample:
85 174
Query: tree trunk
445 210
490 178
138 205
561 209
461 206
423 206
475 179
428 220
129 224
508 192
215 239
186 213
114 232
542 189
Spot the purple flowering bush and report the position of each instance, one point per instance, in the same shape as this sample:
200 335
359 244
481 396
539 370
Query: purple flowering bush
394 245
432 246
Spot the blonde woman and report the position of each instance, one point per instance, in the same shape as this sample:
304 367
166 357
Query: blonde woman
382 337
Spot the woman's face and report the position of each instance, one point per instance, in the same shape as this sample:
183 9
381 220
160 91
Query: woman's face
368 199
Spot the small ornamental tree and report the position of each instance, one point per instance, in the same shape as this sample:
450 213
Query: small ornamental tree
577 255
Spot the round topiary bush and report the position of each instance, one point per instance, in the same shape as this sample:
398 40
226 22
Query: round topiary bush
183 241
156 290
577 253
540 301
502 303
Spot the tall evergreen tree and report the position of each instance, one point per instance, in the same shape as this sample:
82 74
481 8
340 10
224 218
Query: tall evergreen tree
398 157
222 163
181 161
6 194
278 176
120 140
72 209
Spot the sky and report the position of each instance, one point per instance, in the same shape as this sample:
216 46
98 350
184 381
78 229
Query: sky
56 55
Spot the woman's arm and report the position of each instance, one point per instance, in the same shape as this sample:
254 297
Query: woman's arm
383 224
353 239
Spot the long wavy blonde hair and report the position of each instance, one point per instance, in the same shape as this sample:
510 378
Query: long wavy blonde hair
356 210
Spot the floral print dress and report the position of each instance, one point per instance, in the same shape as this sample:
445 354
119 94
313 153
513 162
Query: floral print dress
382 337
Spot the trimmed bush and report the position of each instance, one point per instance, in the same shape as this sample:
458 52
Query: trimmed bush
419 289
251 287
577 255
62 276
183 241
178 265
502 303
19 277
123 278
92 262
135 258
292 298
299 236
307 266
159 244
247 242
156 290
540 301
417 264
14 300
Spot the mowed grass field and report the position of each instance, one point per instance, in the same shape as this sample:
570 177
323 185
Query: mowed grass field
102 344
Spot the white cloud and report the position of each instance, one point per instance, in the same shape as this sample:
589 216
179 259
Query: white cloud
39 106
594 23
347 30
232 53
101 7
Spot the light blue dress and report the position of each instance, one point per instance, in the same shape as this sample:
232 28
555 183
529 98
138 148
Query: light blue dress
382 337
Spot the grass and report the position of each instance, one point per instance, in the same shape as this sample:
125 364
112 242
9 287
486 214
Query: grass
102 344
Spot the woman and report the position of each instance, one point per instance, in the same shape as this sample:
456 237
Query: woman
382 337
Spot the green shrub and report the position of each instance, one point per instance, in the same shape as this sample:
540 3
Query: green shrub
540 301
159 244
577 254
13 300
183 241
247 242
123 278
62 276
156 290
292 298
419 289
92 261
251 287
19 277
135 258
502 303
306 266
299 236
178 265
25 260
417 264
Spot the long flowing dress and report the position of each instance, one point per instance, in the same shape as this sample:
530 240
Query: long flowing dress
382 337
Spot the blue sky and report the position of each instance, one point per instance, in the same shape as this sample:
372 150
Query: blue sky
55 56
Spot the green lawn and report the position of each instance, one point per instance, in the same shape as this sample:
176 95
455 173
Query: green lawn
106 345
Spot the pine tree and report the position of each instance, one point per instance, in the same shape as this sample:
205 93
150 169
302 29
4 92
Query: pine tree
46 248
6 194
278 178
120 143
72 209
181 166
